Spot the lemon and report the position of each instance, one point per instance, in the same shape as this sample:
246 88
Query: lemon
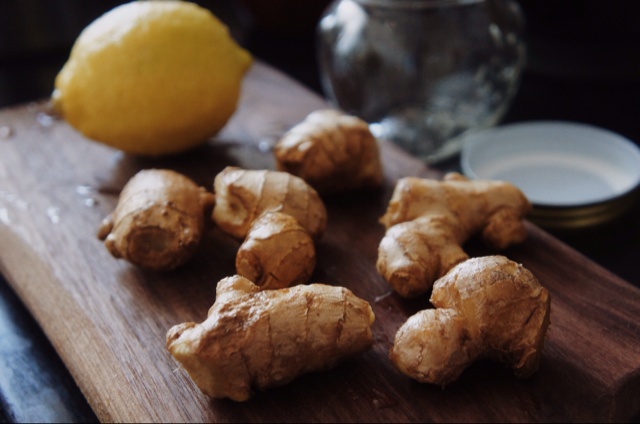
152 77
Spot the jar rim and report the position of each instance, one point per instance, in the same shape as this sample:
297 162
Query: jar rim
417 4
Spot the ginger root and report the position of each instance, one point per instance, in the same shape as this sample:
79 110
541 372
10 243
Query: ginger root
278 250
256 339
488 307
243 195
332 151
159 220
427 221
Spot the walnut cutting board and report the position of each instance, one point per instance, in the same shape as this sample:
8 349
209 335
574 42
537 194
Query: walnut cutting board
108 319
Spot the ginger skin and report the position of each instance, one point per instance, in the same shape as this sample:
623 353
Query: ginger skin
486 308
427 222
278 250
332 151
243 195
159 220
256 339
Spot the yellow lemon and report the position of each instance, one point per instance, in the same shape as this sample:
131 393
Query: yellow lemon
152 77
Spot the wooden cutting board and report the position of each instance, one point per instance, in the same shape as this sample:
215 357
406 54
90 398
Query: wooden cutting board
108 319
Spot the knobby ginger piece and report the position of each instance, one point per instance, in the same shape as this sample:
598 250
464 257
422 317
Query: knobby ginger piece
332 151
278 215
427 222
257 339
278 252
243 195
159 220
488 307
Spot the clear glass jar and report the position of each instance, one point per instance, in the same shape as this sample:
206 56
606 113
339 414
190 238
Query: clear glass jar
422 72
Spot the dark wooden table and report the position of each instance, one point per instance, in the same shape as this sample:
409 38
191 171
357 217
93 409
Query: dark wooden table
48 393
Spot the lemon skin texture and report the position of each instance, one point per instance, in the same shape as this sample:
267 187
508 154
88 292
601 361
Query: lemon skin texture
152 78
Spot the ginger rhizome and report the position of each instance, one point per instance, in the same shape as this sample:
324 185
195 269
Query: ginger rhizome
486 308
278 216
427 222
332 151
257 339
159 220
278 252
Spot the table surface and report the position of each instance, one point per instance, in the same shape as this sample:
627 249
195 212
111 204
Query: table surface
50 394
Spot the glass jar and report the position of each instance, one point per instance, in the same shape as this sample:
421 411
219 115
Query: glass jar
422 72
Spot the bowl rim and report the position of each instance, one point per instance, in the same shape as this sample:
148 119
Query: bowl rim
485 152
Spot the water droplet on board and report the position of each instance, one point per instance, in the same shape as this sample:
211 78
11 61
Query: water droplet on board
13 199
54 214
4 216
382 400
87 192
5 131
44 119
382 297
266 145
84 190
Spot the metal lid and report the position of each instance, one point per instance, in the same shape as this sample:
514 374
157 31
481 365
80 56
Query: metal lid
575 175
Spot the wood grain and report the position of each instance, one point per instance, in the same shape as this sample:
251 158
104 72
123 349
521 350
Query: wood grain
108 320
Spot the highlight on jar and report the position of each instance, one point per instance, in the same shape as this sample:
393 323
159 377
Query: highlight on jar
422 73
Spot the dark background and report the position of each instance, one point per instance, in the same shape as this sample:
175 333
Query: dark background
583 66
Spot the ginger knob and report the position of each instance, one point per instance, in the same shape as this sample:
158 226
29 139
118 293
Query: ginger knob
242 195
159 220
428 221
487 307
278 216
332 151
255 339
278 252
